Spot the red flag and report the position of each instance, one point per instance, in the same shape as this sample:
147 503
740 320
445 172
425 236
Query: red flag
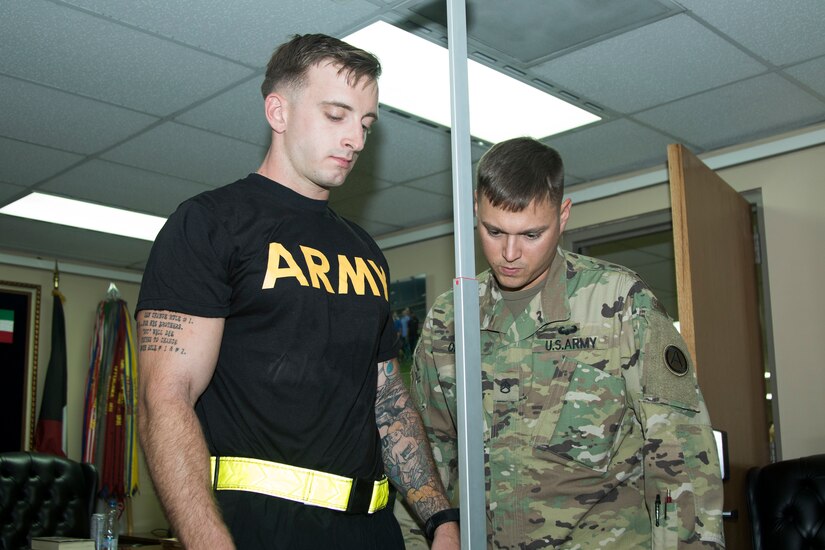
48 438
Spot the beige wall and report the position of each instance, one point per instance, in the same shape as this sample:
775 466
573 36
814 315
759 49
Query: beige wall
82 297
433 258
793 198
793 193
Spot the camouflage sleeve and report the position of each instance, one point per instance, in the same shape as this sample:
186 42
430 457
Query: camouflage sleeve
433 393
432 388
681 466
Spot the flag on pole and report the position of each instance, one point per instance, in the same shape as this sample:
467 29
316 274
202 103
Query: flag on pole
6 326
49 436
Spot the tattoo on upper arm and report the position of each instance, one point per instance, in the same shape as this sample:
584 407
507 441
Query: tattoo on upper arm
160 331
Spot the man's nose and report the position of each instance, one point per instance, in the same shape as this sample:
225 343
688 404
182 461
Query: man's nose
512 250
355 138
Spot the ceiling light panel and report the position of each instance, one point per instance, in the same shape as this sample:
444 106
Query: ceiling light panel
416 79
85 215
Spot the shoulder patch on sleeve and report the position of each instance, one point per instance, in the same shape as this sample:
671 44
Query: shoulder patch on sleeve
669 375
676 360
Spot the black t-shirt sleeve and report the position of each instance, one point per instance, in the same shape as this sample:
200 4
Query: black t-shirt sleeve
389 344
189 267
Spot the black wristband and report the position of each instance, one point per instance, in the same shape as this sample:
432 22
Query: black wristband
444 516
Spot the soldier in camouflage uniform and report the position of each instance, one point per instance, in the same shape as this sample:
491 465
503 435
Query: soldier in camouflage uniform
596 434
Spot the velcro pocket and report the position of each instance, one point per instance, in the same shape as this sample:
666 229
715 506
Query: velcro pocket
591 413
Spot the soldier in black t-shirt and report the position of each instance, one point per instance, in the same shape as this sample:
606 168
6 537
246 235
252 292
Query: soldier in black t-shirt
271 407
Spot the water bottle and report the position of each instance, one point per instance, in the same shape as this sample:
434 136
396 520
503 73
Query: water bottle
97 528
110 530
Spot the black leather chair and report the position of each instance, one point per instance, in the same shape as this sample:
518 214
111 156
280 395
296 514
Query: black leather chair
786 501
44 495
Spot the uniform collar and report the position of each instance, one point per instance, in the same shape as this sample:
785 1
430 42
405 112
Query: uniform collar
550 305
555 303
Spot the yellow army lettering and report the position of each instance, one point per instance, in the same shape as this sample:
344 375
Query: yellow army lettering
281 265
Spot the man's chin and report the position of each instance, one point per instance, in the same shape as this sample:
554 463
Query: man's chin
509 283
334 181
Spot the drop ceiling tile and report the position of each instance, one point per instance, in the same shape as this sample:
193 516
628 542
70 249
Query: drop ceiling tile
189 153
9 192
123 186
419 207
237 112
441 183
399 149
511 27
51 241
73 51
811 73
656 63
781 32
45 116
25 164
610 149
243 30
759 106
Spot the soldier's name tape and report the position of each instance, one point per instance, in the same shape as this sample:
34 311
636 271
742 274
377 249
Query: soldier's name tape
311 487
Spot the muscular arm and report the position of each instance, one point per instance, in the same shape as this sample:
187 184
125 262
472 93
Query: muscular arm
407 457
177 357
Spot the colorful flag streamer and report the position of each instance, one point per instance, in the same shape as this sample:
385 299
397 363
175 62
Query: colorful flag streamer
109 423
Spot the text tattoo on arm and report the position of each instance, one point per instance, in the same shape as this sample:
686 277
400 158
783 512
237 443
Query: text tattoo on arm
161 331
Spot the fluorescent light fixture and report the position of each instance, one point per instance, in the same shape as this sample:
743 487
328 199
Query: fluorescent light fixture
85 215
416 79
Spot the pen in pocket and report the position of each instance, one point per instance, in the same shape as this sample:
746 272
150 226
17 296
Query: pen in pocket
656 507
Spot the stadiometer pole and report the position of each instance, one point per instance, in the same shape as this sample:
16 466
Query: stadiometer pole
465 294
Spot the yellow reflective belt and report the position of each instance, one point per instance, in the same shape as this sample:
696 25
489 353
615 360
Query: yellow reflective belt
293 483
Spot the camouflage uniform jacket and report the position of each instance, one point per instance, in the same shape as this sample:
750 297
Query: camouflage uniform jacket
591 410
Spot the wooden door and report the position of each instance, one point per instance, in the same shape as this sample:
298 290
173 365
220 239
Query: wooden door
718 314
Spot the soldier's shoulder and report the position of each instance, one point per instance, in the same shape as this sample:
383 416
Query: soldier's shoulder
613 278
444 301
579 263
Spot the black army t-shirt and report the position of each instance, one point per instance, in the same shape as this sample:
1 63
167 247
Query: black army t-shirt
305 298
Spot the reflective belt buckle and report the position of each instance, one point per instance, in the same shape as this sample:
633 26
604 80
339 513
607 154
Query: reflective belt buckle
367 497
311 487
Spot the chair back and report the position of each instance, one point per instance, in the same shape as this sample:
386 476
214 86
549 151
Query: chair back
786 501
44 495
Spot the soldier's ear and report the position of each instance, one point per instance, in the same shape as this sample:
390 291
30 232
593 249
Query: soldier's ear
564 214
275 109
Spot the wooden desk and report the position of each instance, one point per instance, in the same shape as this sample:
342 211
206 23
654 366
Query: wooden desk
146 541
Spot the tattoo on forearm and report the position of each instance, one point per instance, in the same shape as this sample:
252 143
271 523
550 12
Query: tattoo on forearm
407 458
160 331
